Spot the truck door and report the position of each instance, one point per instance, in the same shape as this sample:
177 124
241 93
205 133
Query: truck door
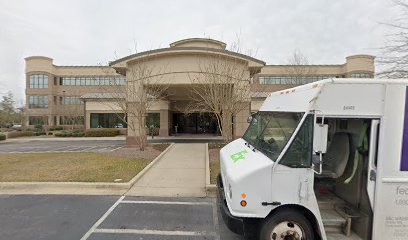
372 161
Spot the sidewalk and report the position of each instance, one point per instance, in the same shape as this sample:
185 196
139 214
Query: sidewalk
179 173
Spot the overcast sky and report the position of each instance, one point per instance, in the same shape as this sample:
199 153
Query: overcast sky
90 32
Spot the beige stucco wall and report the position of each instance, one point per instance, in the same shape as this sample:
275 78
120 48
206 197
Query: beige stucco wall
175 66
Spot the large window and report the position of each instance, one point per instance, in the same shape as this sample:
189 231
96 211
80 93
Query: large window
93 81
71 120
107 120
361 75
153 120
37 120
299 154
72 100
269 132
38 102
292 80
38 81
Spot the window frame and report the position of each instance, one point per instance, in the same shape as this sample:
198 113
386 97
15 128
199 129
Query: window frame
310 117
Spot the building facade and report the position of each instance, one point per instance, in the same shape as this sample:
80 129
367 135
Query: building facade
81 95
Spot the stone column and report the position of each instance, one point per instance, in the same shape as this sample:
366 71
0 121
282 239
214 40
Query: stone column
164 123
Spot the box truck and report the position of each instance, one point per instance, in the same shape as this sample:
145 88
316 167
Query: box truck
326 160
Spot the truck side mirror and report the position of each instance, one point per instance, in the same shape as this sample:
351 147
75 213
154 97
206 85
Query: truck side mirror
319 145
320 138
249 119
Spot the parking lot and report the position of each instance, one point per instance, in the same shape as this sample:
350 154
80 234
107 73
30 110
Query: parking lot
110 217
42 146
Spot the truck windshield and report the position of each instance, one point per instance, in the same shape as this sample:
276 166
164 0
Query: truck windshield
269 132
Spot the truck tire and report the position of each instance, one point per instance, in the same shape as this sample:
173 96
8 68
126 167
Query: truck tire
287 225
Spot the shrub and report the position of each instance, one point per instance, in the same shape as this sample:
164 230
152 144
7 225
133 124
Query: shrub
2 137
38 127
56 128
70 134
102 132
39 133
20 134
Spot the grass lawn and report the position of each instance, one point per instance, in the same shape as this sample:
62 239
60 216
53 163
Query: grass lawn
68 167
214 154
214 171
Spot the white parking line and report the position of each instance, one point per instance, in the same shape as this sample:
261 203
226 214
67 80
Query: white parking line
155 232
104 216
167 203
114 149
95 229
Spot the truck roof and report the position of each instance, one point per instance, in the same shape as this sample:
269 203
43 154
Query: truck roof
334 96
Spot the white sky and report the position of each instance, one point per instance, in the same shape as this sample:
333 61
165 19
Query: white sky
90 32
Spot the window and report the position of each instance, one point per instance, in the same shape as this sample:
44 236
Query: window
153 120
292 80
38 81
38 102
71 120
72 100
107 120
269 132
93 81
360 75
299 154
37 120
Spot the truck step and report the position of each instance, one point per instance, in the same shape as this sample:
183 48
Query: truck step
333 222
340 236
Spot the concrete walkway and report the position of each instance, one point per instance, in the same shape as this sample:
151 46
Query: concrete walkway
179 173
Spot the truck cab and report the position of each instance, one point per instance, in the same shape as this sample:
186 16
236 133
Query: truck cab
327 160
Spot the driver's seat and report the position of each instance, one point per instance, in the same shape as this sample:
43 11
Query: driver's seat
337 155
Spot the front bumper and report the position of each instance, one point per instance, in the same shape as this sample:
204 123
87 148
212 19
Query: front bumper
235 224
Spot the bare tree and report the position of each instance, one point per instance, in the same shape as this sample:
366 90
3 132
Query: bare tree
299 68
395 54
221 87
71 109
132 99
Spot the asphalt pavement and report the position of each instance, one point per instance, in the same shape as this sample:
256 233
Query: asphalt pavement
32 146
50 217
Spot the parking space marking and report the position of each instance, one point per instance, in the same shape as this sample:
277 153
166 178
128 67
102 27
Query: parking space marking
154 232
116 148
215 218
65 149
166 203
95 229
104 216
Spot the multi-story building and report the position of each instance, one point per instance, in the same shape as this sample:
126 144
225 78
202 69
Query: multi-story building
55 94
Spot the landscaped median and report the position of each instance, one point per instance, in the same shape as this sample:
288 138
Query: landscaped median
76 173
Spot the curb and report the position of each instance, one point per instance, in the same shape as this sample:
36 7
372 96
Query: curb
211 190
75 188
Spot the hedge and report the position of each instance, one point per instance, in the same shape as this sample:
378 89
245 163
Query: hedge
102 132
20 134
2 137
58 128
74 133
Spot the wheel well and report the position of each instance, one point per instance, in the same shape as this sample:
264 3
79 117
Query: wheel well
301 209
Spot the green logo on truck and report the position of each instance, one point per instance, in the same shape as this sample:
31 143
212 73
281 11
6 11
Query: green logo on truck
238 156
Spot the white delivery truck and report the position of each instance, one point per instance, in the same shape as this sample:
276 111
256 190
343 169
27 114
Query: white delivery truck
327 160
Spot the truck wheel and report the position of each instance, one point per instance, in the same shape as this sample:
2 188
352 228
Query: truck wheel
287 225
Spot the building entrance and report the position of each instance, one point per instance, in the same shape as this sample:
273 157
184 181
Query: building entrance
195 123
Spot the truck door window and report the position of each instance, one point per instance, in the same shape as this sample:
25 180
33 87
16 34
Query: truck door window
269 132
299 154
